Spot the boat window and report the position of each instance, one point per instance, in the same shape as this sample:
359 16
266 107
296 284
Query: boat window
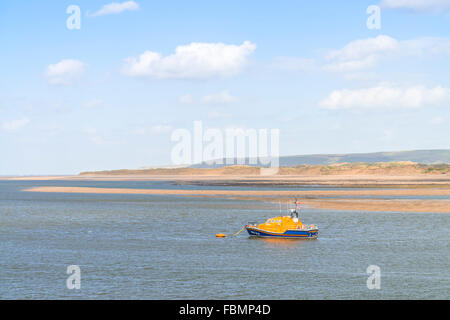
273 221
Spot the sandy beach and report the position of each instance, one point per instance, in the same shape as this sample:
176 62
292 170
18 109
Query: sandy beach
321 199
282 193
339 180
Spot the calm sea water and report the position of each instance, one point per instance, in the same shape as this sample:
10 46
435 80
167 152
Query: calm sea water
164 247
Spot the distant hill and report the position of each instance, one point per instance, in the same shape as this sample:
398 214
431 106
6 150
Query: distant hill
417 156
388 163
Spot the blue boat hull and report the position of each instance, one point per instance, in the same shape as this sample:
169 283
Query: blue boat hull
295 234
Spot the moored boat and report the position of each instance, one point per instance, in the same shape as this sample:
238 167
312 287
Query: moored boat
284 227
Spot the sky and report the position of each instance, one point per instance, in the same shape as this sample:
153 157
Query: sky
109 94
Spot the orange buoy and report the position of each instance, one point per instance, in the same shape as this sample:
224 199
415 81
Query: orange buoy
220 235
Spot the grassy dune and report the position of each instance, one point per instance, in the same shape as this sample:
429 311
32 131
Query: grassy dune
380 168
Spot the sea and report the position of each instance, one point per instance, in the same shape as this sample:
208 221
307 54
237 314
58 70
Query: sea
164 247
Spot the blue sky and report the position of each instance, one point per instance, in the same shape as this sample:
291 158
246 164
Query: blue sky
108 95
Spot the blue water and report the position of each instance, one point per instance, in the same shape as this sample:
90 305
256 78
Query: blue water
164 247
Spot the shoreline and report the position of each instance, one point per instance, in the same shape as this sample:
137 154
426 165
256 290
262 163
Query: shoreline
339 180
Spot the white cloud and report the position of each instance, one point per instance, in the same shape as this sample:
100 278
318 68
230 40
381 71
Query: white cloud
425 46
352 65
116 8
417 5
222 97
192 61
15 125
365 53
360 54
385 96
161 128
186 99
65 72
